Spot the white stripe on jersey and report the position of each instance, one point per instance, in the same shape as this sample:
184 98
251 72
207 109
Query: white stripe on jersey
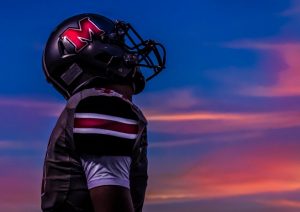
104 132
105 117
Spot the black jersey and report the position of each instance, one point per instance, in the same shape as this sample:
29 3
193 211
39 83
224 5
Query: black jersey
99 122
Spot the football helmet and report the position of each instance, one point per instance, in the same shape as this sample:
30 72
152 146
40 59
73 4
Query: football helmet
87 48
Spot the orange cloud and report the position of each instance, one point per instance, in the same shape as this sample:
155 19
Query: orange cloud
288 80
208 122
233 172
194 117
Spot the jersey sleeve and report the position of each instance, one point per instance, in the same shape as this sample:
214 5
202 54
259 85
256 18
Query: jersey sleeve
105 126
106 170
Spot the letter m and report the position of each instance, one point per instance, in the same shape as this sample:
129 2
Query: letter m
80 37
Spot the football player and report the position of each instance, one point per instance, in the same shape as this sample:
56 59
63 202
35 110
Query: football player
96 157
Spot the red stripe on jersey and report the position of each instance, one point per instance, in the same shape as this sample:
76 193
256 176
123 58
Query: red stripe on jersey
106 125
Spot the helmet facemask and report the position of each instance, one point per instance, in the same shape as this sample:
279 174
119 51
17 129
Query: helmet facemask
149 53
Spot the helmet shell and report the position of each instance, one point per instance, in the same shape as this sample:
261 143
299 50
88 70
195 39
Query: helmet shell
86 48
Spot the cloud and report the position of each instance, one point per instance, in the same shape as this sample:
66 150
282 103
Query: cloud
207 122
217 138
27 119
28 103
19 178
282 202
288 78
178 122
43 107
170 100
196 116
293 10
21 145
233 171
249 203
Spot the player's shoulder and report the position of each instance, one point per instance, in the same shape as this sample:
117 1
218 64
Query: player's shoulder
105 102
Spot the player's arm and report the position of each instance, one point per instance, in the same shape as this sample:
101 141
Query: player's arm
104 137
111 199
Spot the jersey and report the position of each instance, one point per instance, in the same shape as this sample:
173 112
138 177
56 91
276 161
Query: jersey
94 122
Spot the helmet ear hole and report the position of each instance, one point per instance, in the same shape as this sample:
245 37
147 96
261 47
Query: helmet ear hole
72 73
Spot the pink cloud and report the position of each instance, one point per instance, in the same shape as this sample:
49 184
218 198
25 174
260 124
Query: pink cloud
288 79
232 172
20 183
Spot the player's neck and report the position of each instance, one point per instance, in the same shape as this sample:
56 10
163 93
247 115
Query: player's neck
125 90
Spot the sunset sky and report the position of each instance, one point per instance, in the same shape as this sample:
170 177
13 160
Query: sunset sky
224 117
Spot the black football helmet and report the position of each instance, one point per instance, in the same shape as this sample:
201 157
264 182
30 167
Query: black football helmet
88 48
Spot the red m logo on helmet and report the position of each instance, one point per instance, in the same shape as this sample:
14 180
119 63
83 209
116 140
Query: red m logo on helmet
80 37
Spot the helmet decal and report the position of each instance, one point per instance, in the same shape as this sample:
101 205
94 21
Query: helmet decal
80 37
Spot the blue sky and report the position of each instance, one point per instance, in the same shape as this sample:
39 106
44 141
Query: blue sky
223 117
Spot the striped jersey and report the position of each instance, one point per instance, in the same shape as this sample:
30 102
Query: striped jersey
95 122
105 125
